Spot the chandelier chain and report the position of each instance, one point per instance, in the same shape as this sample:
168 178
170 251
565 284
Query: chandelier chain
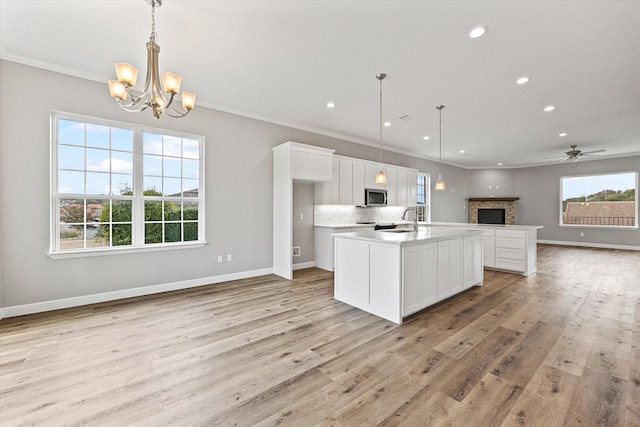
153 21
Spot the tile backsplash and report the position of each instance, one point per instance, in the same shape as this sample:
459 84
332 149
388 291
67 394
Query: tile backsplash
342 214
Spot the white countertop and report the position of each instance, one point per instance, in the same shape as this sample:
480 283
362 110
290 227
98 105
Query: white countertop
423 235
439 224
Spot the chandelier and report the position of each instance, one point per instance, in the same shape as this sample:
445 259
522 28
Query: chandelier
155 95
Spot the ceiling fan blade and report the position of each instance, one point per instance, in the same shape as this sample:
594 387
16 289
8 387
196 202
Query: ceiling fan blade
554 157
592 152
566 159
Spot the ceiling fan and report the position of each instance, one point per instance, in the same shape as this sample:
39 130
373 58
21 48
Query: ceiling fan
574 154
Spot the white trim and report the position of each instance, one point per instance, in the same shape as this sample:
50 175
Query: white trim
591 245
120 250
39 307
304 265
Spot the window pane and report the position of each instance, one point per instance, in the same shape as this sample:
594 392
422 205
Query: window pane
153 232
190 148
190 231
70 157
172 232
171 211
97 160
171 187
190 187
152 186
190 211
121 162
72 211
70 182
172 146
121 184
152 211
97 136
599 200
94 210
70 132
71 237
121 211
190 168
152 165
152 143
98 237
98 183
171 167
121 139
121 234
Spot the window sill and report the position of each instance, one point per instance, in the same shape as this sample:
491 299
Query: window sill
82 253
597 227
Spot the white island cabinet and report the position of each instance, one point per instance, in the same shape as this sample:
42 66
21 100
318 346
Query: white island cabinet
393 275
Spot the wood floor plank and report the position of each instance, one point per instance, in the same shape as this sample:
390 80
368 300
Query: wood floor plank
560 347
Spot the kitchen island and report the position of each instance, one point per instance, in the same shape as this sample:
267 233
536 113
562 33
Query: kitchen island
395 273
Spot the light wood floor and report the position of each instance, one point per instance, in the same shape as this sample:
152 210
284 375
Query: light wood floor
561 347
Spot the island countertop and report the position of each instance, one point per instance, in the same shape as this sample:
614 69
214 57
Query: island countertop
406 238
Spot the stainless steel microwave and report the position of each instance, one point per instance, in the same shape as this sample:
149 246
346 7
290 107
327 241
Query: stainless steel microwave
375 197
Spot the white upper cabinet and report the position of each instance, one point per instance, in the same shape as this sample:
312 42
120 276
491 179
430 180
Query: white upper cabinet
358 183
402 185
346 182
370 171
311 163
412 176
392 184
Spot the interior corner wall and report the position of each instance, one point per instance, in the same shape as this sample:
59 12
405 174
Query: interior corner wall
238 191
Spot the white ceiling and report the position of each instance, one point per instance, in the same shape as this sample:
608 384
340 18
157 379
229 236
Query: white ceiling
282 61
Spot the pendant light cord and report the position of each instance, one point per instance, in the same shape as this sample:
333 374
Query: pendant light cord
440 107
380 77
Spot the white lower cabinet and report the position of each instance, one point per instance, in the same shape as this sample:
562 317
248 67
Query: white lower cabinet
420 277
450 275
473 261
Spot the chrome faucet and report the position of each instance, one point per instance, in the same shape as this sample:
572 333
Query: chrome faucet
415 216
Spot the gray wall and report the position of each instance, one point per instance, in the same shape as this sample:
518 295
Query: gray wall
539 192
238 194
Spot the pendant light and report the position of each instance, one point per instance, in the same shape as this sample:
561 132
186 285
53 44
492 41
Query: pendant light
381 178
440 183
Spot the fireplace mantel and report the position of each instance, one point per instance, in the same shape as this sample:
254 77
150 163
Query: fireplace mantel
493 199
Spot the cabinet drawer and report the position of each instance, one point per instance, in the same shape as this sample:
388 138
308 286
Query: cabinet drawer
503 242
518 234
510 264
518 254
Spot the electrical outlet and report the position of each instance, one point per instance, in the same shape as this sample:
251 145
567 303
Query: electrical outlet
301 216
296 251
219 259
582 234
229 258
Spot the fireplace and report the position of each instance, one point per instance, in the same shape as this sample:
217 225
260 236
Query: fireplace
506 204
491 216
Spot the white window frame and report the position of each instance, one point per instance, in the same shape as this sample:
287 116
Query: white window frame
424 210
606 227
138 199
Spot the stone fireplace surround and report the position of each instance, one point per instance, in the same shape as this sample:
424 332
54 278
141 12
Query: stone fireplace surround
506 203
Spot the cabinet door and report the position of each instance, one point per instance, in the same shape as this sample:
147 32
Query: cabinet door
411 187
302 167
322 167
445 285
346 182
472 262
411 279
358 183
402 188
456 258
489 247
429 280
392 185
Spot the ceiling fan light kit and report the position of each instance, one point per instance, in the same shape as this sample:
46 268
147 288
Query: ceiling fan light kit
155 95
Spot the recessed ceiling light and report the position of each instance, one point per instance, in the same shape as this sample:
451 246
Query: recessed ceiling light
330 104
549 108
461 151
499 164
563 134
387 124
426 138
522 80
478 32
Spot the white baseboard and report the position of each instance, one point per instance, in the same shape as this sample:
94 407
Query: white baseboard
304 265
591 245
39 307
